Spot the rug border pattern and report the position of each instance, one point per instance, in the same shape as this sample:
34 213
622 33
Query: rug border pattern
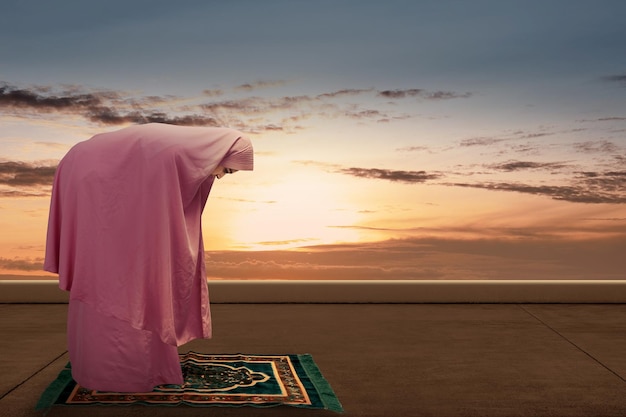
299 378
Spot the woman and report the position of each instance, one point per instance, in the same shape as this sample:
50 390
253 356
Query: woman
124 235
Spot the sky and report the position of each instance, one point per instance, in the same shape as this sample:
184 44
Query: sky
422 139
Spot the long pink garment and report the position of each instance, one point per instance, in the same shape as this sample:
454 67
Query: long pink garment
109 355
124 235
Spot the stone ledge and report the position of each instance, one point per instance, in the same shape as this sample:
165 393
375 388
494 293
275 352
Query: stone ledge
283 291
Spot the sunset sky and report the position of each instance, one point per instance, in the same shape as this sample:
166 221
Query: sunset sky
424 139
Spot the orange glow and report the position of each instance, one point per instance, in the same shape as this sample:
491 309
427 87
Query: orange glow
297 209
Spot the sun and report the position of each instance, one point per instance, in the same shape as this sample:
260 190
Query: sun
298 210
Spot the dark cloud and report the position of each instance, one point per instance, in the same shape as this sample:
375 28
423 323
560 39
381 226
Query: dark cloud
584 187
598 146
391 175
24 192
260 84
618 78
587 187
604 119
512 136
25 174
401 93
525 148
253 114
36 99
257 105
103 107
22 179
304 106
110 116
366 114
611 119
397 94
345 92
445 95
418 92
482 141
613 182
524 165
535 135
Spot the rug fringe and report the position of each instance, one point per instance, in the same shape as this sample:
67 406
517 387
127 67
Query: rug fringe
326 393
54 390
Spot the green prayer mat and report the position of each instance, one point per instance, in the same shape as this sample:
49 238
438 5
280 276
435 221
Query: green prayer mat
216 380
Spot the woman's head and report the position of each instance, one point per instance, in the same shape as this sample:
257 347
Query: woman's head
240 156
220 171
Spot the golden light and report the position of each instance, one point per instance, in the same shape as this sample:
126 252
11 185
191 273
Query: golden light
294 210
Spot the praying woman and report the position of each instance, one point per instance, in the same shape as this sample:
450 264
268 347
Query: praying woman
124 236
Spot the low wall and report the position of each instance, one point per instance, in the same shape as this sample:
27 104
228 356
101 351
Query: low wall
47 291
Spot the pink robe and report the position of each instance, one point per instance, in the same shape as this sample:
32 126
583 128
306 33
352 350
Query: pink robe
124 235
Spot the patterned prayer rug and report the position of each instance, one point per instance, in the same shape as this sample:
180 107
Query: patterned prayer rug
216 380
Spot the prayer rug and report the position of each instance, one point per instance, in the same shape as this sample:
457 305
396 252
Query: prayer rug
216 380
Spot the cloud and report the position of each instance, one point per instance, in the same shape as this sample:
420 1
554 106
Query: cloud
110 116
524 148
18 193
25 174
507 254
21 264
251 113
36 98
345 92
396 94
508 137
535 135
617 78
603 119
611 119
598 146
323 262
502 254
418 92
24 179
366 114
103 107
259 84
480 141
213 92
584 187
414 149
614 181
587 187
524 165
411 177
256 105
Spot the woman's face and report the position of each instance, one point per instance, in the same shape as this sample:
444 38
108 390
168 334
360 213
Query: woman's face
220 171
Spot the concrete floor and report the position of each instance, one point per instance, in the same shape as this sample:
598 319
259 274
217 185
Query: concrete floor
399 360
